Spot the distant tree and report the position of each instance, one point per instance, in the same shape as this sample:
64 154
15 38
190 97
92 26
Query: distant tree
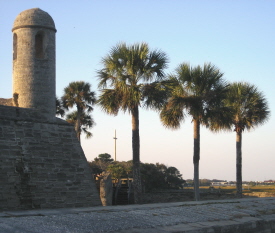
131 77
197 92
252 183
158 176
78 94
96 167
128 168
101 163
174 178
105 157
152 177
249 110
117 170
161 167
205 182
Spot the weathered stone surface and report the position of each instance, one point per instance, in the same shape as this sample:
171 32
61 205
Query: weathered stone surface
35 172
7 102
106 189
34 61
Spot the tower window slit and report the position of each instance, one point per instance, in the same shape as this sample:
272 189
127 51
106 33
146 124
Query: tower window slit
39 53
14 46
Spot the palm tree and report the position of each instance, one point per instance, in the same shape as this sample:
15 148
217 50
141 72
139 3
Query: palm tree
78 94
86 122
132 76
249 109
60 111
197 92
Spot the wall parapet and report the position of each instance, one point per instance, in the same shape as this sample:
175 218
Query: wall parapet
27 114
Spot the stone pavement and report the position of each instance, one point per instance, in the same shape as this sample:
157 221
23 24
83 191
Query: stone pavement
245 215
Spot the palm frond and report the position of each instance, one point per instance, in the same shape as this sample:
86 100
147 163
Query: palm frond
86 122
199 91
78 94
250 108
156 94
59 108
110 101
171 117
126 69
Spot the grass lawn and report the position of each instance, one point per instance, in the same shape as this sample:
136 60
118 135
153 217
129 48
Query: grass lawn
207 193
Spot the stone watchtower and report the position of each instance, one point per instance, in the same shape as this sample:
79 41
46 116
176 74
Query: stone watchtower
34 61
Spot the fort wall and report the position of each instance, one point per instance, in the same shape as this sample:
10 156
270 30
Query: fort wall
42 163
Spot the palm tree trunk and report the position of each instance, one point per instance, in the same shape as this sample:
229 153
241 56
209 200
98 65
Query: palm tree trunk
239 163
136 158
77 126
196 158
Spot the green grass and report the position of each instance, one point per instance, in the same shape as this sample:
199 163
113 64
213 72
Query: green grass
263 188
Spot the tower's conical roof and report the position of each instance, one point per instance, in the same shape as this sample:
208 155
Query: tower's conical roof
34 17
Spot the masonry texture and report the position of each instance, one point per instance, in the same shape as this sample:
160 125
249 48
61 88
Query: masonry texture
42 163
34 61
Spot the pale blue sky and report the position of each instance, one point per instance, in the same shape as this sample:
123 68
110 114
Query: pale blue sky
236 36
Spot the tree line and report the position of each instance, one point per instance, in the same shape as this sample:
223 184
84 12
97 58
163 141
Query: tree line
133 76
153 176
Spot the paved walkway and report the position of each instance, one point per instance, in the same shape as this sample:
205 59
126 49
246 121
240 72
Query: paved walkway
234 215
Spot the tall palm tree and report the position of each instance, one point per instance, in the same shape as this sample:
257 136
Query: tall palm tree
78 94
249 109
197 92
132 76
86 122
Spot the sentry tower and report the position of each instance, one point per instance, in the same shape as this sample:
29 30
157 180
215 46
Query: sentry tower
34 61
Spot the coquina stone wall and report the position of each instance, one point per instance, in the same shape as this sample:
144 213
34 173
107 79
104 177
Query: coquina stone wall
42 163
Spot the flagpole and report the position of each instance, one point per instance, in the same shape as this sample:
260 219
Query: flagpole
115 144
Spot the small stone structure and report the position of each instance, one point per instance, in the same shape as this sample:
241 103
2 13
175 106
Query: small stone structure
42 164
106 189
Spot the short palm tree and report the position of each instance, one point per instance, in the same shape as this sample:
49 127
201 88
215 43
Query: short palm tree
78 94
197 92
249 109
60 111
86 122
132 76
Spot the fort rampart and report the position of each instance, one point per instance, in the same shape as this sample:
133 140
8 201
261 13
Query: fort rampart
42 163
